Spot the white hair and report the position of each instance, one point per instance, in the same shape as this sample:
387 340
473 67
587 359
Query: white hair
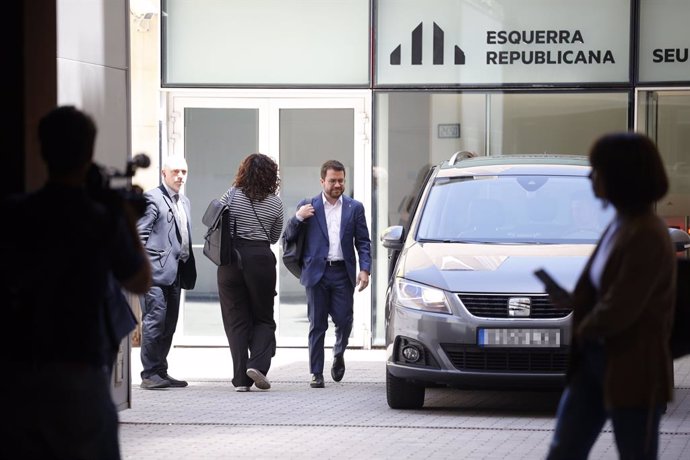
174 162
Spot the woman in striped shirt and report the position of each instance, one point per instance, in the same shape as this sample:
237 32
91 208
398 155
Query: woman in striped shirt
247 287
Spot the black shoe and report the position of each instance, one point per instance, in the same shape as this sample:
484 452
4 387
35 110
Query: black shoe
154 382
316 381
338 368
174 383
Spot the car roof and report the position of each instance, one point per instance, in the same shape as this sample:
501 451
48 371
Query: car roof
537 164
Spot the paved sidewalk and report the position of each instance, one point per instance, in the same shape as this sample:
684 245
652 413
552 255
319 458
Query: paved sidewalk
350 419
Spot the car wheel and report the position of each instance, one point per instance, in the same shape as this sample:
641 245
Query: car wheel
402 394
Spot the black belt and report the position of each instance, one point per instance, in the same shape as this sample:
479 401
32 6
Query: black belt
335 263
243 242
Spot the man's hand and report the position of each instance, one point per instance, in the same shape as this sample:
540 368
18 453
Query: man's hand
305 211
362 280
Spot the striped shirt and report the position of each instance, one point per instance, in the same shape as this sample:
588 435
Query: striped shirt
269 211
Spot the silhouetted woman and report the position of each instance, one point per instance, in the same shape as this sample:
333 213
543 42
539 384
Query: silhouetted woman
620 366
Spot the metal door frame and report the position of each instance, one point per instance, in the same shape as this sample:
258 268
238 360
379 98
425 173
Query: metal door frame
646 111
269 103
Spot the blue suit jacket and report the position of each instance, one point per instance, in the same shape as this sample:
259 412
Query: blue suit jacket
354 234
160 235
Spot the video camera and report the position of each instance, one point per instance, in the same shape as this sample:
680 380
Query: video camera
99 183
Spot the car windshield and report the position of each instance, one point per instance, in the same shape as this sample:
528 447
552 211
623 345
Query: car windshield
513 210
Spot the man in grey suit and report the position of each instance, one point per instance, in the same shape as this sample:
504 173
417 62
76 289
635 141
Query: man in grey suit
165 232
335 226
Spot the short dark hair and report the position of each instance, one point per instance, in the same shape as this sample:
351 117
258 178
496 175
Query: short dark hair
67 137
631 170
335 165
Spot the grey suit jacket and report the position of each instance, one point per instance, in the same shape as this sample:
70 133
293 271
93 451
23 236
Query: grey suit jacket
160 235
354 235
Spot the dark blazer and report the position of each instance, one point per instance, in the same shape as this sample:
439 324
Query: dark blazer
632 313
160 235
354 234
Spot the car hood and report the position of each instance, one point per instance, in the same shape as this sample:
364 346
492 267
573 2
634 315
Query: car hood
496 268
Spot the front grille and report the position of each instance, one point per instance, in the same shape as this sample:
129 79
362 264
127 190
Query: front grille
472 358
496 306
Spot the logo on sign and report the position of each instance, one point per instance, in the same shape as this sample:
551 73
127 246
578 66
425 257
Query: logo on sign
519 307
416 49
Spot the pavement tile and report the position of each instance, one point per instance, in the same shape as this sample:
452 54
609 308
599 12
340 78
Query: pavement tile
350 419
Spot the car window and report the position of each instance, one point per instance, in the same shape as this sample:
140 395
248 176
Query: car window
513 209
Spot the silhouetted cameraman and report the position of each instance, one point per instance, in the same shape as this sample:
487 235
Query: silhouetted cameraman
59 248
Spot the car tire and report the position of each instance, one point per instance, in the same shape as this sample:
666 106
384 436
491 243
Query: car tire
402 394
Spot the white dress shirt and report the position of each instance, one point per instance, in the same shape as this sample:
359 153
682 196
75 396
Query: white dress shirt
334 214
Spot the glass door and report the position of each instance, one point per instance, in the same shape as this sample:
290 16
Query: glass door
301 131
664 115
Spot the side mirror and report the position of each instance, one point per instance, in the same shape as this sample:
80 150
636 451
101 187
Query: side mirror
392 237
680 239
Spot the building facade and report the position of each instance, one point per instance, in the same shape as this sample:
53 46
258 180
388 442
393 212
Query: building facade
391 87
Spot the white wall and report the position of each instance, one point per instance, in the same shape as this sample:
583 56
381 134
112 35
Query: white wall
93 70
145 88
93 75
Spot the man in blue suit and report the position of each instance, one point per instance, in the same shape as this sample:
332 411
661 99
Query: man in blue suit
334 226
165 231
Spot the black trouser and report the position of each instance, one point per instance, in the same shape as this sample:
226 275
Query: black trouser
246 302
159 313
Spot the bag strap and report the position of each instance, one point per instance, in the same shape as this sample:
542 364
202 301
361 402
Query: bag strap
226 199
233 222
228 196
260 223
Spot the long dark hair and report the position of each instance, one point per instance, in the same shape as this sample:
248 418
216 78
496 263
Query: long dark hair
257 176
631 170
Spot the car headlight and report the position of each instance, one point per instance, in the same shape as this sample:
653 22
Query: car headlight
420 297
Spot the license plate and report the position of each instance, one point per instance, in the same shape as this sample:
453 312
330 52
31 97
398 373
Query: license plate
519 338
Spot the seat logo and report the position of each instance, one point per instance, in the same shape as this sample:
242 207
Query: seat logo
519 307
438 47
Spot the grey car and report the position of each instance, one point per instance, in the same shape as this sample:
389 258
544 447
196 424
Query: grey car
463 307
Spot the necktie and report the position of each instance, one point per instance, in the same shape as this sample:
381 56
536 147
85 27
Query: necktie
184 234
